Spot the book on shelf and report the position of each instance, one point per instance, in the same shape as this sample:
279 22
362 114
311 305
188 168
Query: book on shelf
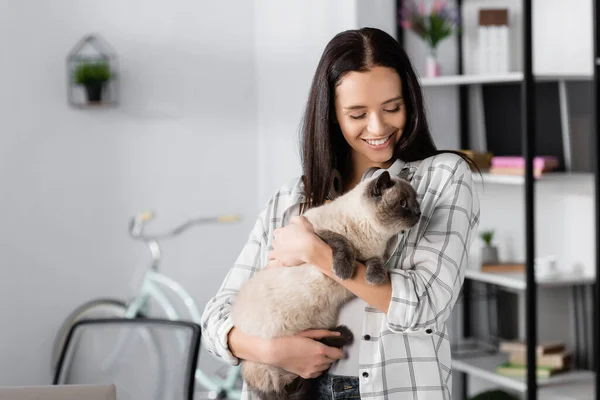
481 159
515 165
543 347
520 371
560 360
551 358
506 267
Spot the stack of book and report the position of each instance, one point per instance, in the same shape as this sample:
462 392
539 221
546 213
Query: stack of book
551 358
515 165
503 267
483 160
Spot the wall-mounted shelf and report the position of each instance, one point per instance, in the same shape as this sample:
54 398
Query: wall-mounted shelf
563 182
454 80
484 367
517 280
479 79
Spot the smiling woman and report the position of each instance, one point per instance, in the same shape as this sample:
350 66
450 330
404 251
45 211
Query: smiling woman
364 116
370 110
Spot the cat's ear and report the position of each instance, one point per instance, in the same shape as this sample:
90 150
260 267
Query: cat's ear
381 183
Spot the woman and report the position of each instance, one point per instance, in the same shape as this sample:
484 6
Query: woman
364 114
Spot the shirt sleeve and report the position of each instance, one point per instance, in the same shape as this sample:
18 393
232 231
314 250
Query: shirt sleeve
425 289
216 317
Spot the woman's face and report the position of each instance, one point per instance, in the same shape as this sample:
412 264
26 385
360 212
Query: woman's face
370 111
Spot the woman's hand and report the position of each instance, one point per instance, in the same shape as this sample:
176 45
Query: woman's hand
293 244
302 355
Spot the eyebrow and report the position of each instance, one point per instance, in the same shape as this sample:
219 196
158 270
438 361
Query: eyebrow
357 107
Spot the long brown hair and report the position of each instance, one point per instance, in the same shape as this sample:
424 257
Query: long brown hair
322 144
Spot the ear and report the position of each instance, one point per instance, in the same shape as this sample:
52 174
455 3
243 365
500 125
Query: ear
381 183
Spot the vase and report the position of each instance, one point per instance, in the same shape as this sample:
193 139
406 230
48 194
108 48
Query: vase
432 66
489 255
94 92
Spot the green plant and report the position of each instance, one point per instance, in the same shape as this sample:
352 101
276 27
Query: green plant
487 237
92 73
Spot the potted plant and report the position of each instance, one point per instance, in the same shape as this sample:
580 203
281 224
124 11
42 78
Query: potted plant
93 76
489 252
431 26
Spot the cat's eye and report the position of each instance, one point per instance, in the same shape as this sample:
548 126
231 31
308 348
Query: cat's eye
403 203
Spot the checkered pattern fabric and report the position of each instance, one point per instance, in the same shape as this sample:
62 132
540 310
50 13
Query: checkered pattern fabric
405 353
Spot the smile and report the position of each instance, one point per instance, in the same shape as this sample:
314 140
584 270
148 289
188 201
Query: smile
378 143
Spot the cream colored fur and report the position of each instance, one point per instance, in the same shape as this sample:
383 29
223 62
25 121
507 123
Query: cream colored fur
286 300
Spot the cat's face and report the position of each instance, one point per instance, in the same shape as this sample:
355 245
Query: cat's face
393 202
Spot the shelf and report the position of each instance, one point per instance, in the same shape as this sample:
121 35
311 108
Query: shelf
453 80
517 280
478 79
484 367
584 390
564 182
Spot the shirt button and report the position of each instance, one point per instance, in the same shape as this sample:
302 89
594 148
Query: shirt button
365 374
428 330
367 337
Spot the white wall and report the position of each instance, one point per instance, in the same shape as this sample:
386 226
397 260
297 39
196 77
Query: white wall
182 143
290 37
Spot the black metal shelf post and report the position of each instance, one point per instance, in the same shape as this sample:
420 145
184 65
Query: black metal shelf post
463 90
596 164
528 132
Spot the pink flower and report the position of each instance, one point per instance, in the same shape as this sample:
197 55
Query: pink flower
438 6
421 8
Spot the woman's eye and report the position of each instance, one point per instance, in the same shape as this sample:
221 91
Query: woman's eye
357 116
395 109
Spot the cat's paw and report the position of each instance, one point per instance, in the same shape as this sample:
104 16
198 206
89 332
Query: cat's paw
343 268
376 272
346 337
344 256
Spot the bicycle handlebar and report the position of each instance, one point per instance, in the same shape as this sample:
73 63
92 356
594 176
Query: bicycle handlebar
136 225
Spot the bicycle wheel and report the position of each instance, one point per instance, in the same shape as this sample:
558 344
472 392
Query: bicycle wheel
98 308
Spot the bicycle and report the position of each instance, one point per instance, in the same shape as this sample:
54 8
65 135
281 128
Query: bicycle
152 286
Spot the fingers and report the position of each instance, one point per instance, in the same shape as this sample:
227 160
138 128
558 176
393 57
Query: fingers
318 333
323 367
316 371
333 353
302 221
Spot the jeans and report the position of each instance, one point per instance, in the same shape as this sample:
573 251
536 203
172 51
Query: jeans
335 387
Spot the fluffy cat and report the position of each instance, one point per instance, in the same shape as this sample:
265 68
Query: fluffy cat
284 301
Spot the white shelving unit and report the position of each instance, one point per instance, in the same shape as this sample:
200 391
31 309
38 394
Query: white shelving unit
516 281
484 367
454 80
479 79
574 183
568 385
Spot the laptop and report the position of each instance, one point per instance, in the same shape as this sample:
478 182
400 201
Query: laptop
59 392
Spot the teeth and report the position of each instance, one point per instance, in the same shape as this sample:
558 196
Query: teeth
377 142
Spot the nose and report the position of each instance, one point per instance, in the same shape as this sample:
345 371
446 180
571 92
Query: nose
376 125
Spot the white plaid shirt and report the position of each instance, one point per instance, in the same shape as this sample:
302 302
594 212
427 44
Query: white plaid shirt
406 354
